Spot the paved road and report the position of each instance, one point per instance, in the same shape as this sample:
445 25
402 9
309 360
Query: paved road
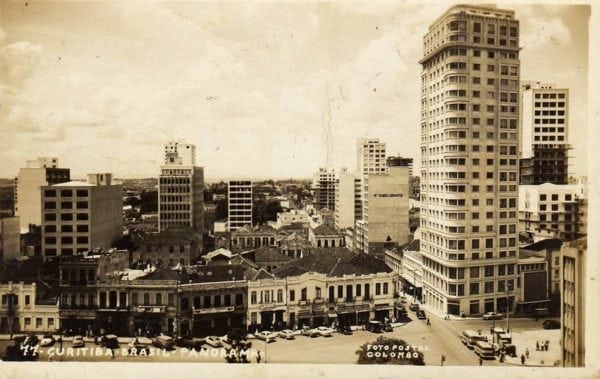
442 337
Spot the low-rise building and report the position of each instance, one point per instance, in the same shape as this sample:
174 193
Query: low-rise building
248 237
168 248
325 236
336 286
532 284
294 245
21 310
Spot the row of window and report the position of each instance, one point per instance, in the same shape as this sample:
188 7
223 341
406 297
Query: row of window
66 216
65 193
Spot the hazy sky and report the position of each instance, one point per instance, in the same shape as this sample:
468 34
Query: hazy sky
263 89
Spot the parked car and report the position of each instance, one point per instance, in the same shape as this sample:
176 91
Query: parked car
403 300
374 327
413 307
551 324
190 342
214 341
110 341
402 313
421 314
325 331
136 348
388 327
492 316
306 331
78 341
266 336
164 342
344 329
47 340
287 334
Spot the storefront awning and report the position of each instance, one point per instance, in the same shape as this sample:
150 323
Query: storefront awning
382 307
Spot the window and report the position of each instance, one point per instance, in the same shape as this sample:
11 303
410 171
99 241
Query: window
239 299
489 287
303 294
280 295
134 298
171 299
340 291
146 299
317 292
27 322
158 299
27 300
489 270
474 272
474 288
385 288
377 288
292 295
253 297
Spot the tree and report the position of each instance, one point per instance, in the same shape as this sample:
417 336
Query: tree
149 202
389 351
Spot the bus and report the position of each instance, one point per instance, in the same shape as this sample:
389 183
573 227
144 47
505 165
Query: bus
470 337
484 350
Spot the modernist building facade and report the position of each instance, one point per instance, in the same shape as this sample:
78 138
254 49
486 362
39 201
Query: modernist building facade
385 207
544 147
181 189
573 289
469 159
43 171
81 216
553 211
345 193
239 200
324 183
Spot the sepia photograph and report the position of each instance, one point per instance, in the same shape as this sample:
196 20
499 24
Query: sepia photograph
246 186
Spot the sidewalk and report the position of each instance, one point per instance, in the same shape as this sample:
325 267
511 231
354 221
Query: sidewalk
436 312
527 339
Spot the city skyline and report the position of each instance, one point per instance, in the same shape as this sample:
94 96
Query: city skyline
309 87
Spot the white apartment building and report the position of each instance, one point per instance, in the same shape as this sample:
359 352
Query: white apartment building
544 135
370 159
81 216
181 189
40 172
239 200
553 211
469 159
345 200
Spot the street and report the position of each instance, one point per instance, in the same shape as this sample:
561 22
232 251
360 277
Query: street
441 338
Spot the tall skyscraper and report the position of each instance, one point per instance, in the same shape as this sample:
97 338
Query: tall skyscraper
323 185
370 159
469 160
43 171
344 200
239 201
181 189
80 216
544 137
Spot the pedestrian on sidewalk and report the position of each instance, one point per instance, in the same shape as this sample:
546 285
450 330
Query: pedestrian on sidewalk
428 322
547 344
258 357
537 346
527 353
522 359
480 361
